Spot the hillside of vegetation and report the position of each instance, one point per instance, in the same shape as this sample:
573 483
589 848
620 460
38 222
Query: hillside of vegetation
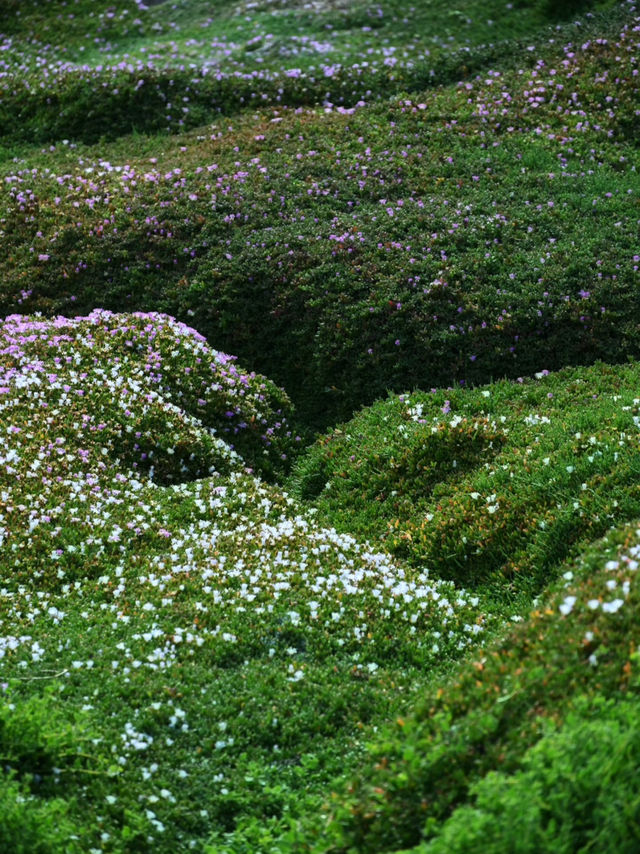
413 237
319 426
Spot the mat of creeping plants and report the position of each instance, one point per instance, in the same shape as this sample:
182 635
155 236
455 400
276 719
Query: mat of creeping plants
319 426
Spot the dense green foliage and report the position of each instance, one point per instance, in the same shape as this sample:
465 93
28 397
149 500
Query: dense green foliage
491 487
220 646
226 624
116 70
579 645
577 791
347 252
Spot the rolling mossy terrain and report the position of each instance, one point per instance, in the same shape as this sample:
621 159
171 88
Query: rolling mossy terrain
492 487
319 426
409 236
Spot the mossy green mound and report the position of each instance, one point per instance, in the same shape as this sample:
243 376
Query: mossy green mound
205 641
462 232
354 198
507 734
492 487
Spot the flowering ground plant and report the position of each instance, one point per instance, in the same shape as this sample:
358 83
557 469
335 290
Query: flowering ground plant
240 614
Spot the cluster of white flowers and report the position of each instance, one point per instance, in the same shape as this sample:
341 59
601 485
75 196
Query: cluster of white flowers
615 590
87 528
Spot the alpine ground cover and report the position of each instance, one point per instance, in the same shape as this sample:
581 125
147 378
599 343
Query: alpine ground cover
181 621
96 69
467 232
352 198
491 487
495 758
209 644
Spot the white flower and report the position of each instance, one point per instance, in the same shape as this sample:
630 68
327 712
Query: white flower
612 607
567 605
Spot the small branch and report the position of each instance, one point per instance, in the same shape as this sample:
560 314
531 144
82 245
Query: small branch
50 676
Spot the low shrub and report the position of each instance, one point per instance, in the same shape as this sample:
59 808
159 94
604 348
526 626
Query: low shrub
577 790
474 735
492 487
345 253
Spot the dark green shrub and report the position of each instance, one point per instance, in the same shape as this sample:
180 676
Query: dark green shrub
489 715
578 790
42 757
484 486
32 825
566 8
